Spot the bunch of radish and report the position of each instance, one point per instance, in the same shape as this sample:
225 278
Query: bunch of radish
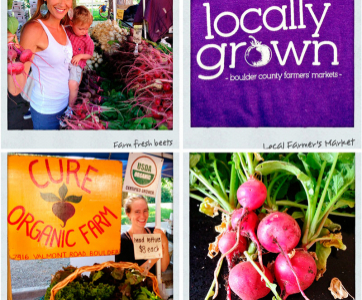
246 234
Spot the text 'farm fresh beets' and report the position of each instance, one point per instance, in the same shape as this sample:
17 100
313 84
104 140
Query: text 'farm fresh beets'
301 52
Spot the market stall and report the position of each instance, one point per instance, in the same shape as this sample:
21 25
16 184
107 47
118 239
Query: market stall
126 85
68 205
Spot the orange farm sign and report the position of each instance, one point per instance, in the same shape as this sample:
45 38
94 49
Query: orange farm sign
63 207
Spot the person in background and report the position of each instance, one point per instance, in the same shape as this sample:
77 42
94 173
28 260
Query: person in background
83 48
136 209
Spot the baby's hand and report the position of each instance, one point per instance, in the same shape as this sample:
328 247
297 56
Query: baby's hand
76 59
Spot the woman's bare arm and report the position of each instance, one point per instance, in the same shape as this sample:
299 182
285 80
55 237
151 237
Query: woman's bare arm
31 38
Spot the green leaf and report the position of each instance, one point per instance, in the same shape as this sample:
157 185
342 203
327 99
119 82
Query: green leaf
118 273
314 161
332 226
162 127
322 254
97 275
328 157
49 197
298 215
63 190
194 159
13 24
73 199
10 4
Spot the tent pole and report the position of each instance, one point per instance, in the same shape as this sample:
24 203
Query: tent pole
158 225
114 10
144 21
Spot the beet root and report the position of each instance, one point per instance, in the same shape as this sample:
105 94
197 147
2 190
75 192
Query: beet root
64 211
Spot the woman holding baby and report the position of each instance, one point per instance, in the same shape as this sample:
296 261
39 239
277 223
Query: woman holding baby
45 35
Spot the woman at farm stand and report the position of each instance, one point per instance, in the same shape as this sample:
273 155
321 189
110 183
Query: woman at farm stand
136 209
45 36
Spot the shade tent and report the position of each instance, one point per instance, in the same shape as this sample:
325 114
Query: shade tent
167 167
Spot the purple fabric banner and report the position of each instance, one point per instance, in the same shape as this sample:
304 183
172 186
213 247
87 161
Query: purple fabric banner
275 63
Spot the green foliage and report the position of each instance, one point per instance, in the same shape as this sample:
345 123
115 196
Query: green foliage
165 214
166 191
13 24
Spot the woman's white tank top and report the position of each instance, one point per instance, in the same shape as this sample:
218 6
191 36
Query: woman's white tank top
52 94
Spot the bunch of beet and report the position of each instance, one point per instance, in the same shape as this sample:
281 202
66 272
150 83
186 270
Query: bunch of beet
150 76
294 269
17 57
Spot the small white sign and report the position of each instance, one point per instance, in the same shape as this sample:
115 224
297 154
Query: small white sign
147 246
143 174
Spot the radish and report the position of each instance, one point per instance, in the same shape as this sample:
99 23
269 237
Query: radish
304 267
279 232
227 241
252 194
279 227
248 226
246 282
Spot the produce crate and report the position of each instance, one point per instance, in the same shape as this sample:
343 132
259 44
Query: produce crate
99 267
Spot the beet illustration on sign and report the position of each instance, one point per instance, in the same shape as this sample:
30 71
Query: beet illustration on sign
63 208
257 55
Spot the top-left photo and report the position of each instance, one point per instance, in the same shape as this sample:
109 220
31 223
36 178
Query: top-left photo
90 65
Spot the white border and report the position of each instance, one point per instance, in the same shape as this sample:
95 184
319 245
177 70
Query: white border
255 137
81 139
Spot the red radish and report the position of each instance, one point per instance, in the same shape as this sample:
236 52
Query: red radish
247 283
280 227
252 194
248 225
227 247
304 267
227 241
140 48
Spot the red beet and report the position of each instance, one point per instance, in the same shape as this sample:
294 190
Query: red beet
26 55
64 211
15 68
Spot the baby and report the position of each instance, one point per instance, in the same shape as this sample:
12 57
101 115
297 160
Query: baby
83 48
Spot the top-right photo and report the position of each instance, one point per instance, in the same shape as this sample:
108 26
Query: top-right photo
278 63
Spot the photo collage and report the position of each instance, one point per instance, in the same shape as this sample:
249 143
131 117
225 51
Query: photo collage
150 148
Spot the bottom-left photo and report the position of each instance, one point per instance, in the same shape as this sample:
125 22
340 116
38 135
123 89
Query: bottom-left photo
90 226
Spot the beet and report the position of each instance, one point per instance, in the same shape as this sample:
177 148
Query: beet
64 211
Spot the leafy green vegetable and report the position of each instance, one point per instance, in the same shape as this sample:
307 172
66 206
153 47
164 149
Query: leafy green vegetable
13 24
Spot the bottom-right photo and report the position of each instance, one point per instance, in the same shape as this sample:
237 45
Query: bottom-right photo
272 225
